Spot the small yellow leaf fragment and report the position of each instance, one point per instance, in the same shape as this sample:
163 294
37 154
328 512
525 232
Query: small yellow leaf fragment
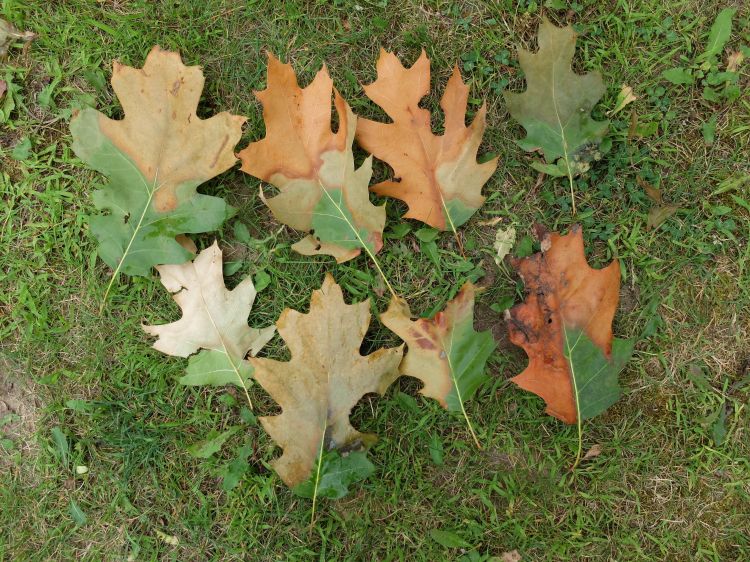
504 240
734 60
594 451
511 556
490 222
171 540
624 98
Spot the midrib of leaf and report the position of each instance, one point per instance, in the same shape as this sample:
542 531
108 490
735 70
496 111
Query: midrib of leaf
455 385
436 187
579 423
225 350
321 445
151 190
562 132
359 238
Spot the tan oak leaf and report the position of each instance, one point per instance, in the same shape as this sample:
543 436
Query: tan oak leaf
325 378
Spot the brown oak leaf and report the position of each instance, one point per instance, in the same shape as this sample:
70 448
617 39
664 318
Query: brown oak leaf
437 176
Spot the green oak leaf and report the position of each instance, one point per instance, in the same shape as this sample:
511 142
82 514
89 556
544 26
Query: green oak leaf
556 107
155 158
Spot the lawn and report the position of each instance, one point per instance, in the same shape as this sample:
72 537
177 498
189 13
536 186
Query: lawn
89 391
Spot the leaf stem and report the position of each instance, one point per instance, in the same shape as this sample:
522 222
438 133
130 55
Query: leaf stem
570 181
317 476
458 394
151 191
579 424
361 242
453 227
226 352
564 140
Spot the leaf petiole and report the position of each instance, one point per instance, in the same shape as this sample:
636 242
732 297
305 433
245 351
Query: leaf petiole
361 242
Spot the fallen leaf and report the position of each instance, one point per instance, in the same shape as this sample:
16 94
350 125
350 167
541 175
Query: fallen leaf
624 98
444 351
313 168
504 240
171 540
3 88
214 320
594 451
658 214
323 381
437 176
9 34
652 192
734 60
556 107
660 211
155 158
510 556
565 328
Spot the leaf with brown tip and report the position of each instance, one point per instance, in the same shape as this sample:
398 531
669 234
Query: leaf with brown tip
323 381
437 176
565 327
313 167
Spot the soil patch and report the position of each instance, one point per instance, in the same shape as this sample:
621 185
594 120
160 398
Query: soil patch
18 404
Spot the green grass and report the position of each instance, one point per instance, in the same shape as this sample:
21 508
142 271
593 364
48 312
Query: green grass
661 489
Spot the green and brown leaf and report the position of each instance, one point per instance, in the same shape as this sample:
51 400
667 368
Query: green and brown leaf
155 158
214 322
444 352
320 191
325 378
556 107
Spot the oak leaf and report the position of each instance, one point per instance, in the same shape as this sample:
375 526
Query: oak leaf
444 351
313 167
556 107
9 34
437 176
565 328
323 381
155 158
214 321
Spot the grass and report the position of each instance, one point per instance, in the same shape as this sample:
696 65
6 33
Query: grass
662 487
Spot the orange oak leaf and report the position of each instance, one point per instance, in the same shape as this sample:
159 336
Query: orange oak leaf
565 327
437 176
313 167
